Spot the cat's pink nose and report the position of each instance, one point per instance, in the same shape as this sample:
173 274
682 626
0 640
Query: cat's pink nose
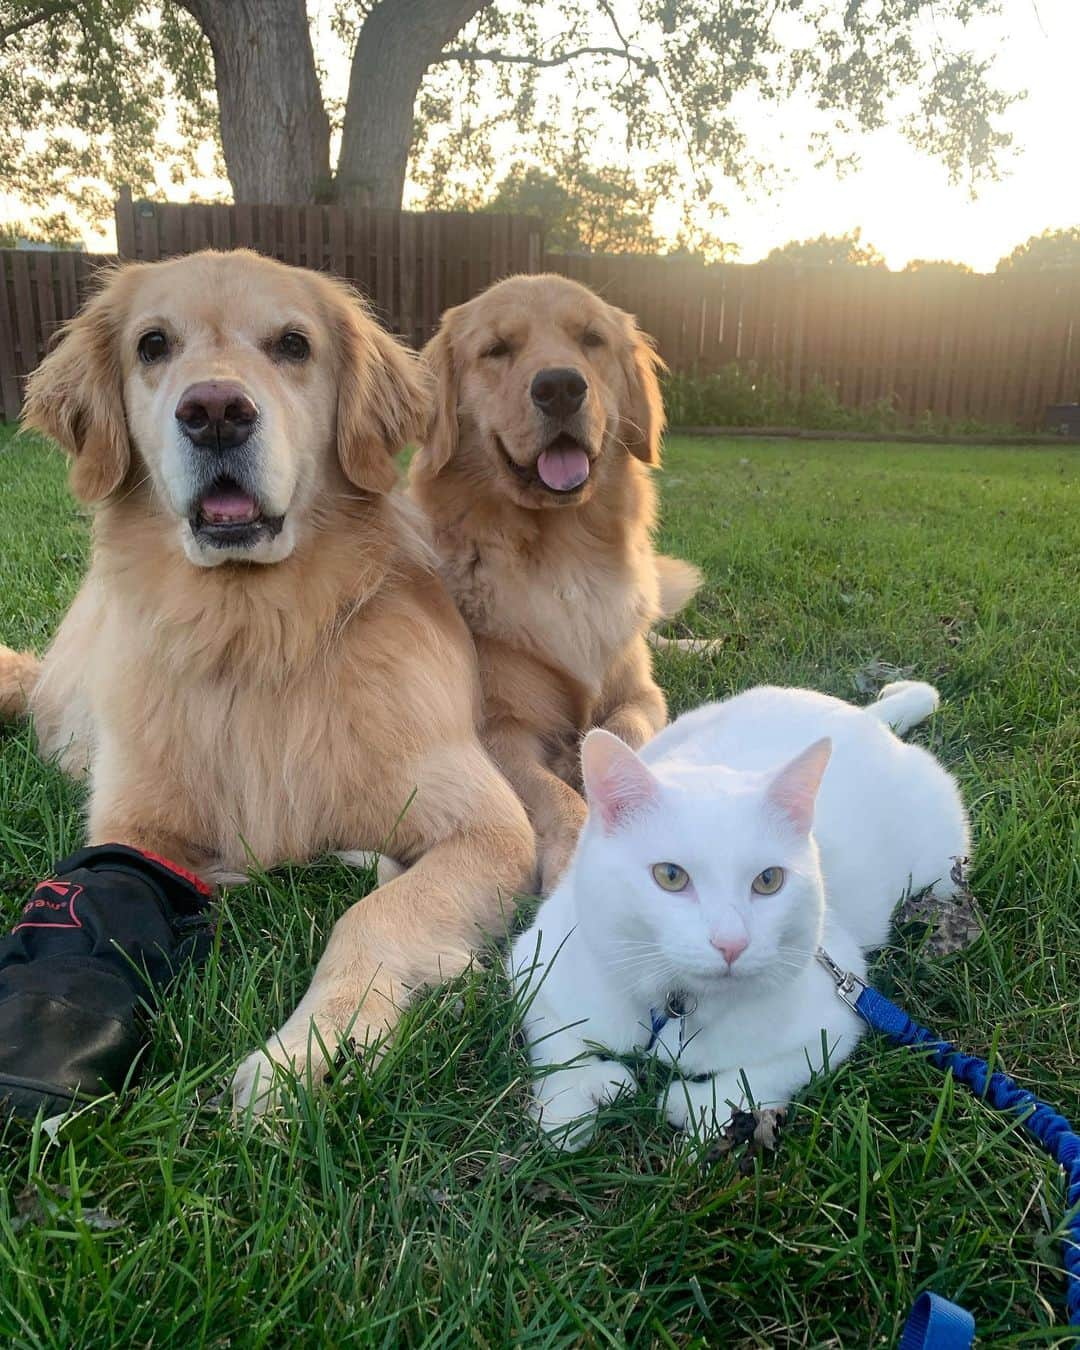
729 948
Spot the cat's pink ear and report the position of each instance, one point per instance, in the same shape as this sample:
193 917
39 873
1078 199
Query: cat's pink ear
794 789
617 783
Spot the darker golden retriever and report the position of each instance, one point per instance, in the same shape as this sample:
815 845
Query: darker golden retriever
262 660
536 476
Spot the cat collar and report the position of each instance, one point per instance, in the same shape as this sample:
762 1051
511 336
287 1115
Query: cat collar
677 1005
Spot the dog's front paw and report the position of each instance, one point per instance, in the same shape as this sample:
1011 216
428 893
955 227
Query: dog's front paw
565 763
303 1050
554 857
565 1103
256 1082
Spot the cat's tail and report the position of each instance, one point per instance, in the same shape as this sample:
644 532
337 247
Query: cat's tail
904 704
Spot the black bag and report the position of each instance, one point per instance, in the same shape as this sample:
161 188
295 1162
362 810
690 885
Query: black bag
93 949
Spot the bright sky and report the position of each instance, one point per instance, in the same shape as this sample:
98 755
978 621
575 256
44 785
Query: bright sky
902 200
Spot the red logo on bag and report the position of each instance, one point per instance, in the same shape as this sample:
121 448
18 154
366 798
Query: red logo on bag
51 906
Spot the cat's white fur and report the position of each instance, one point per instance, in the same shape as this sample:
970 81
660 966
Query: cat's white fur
725 792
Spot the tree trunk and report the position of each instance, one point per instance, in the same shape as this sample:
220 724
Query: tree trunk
274 129
399 40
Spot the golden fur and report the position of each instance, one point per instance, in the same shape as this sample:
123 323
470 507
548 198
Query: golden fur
559 590
234 709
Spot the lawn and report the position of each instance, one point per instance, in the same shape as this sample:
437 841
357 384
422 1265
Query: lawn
412 1205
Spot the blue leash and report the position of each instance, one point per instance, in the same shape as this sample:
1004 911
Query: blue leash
935 1323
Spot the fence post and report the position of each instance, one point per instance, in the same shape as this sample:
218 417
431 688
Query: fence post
535 246
124 214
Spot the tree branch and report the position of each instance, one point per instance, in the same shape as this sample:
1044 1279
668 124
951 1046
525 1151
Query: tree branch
470 55
31 20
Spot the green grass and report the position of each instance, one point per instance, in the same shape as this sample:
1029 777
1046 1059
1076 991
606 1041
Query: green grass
413 1205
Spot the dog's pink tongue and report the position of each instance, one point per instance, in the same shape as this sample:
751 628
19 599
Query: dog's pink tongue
563 470
228 506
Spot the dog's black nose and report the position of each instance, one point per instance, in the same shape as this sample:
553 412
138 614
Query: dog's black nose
560 391
216 415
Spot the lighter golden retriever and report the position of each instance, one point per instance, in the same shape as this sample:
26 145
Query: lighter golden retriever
536 476
262 662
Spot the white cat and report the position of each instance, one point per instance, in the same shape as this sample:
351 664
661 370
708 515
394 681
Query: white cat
712 866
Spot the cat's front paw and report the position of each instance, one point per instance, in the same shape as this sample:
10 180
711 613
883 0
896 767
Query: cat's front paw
702 1109
565 1103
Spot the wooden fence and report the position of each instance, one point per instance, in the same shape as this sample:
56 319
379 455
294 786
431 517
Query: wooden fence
411 265
38 292
995 349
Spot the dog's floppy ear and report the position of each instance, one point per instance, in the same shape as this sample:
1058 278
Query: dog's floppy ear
643 419
441 438
382 396
76 396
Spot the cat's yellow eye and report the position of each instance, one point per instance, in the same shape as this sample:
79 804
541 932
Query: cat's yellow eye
768 881
670 876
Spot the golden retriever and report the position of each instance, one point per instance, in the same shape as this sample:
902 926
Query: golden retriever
536 476
262 662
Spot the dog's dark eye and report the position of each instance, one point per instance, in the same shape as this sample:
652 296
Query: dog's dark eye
498 348
153 346
591 338
294 346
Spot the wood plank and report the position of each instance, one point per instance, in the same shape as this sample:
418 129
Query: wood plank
221 234
385 240
336 227
1022 322
314 243
172 230
454 266
523 232
45 294
858 281
920 290
430 303
796 333
535 238
67 284
360 250
26 324
262 227
289 217
408 268
500 247
1070 357
124 218
478 234
979 375
147 227
10 384
891 319
1053 304
193 222
243 232
727 309
962 321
